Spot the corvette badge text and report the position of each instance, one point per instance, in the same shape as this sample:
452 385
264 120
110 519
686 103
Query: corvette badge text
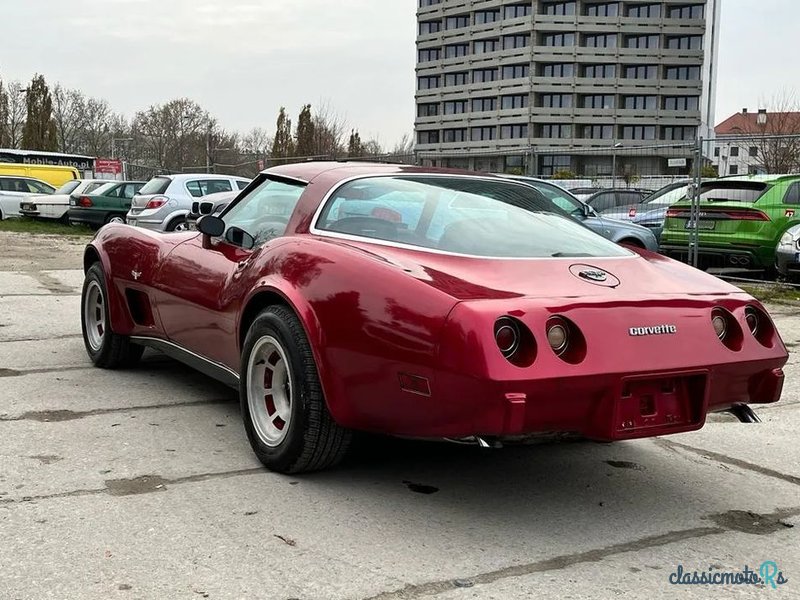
768 575
657 330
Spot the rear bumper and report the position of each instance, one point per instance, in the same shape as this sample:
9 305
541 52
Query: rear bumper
87 216
716 257
608 408
146 223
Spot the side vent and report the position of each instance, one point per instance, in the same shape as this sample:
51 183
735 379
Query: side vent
139 307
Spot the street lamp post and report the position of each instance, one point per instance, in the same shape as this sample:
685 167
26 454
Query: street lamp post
614 164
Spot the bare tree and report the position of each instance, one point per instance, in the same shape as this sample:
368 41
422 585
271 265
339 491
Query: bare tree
17 113
775 133
330 131
404 146
69 113
3 115
256 142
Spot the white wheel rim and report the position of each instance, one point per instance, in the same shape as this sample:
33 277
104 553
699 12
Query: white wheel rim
269 391
116 220
182 226
94 315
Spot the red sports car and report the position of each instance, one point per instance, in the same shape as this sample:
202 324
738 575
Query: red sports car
417 302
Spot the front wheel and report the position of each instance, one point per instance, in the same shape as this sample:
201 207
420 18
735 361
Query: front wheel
106 349
283 407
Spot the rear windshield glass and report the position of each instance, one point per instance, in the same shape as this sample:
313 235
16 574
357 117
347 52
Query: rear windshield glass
462 215
732 191
668 198
93 186
104 188
68 187
157 185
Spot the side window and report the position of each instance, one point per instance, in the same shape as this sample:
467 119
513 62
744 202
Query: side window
242 184
203 187
194 188
625 198
126 191
264 213
114 192
7 185
792 195
604 201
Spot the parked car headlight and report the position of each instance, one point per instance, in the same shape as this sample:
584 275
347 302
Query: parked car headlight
791 238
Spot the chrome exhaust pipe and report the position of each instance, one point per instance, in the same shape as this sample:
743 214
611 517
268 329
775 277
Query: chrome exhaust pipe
475 440
744 413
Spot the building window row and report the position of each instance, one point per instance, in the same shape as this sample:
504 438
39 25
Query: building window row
481 17
558 131
613 9
490 103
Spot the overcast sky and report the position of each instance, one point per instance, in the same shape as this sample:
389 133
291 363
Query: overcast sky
243 59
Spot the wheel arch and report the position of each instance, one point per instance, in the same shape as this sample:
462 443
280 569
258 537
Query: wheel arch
176 215
117 311
273 293
632 241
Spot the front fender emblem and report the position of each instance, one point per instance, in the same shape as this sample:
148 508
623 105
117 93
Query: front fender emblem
136 275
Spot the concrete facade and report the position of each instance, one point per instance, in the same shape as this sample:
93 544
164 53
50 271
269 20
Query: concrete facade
555 85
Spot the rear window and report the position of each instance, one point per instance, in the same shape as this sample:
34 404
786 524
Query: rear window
462 215
667 198
68 187
242 184
732 191
90 187
157 185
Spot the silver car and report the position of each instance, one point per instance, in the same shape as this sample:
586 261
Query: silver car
787 254
165 202
616 231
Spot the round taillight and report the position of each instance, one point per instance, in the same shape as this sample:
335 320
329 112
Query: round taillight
515 341
506 334
558 337
753 320
720 324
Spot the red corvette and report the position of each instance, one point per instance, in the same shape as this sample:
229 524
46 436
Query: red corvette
424 303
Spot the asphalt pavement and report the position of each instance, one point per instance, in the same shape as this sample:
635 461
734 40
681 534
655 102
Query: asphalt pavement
141 484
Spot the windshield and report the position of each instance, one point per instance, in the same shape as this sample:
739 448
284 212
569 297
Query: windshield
68 187
157 185
561 199
732 191
264 213
463 215
668 198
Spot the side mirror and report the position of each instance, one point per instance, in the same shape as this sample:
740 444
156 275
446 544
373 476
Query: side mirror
206 208
588 211
211 226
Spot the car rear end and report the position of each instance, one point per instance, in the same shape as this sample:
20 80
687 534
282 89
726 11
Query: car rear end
735 226
603 369
152 206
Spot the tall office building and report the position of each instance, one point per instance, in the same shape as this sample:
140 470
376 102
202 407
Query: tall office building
564 85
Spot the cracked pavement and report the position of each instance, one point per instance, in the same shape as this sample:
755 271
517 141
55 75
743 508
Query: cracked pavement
141 484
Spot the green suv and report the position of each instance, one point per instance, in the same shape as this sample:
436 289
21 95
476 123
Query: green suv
740 221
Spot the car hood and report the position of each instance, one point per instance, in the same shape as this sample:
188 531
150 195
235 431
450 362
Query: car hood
639 276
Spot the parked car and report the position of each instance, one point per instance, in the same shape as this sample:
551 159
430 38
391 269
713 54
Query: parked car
54 175
14 190
616 231
424 303
213 204
741 221
651 211
56 206
581 193
107 204
610 198
787 256
166 200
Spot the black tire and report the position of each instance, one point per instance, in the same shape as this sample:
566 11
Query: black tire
111 218
313 441
173 225
113 351
633 243
64 220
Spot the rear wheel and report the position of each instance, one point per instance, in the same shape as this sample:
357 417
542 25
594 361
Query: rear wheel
284 411
178 224
112 218
106 349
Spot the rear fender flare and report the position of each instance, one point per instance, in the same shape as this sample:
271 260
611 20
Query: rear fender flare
119 318
271 291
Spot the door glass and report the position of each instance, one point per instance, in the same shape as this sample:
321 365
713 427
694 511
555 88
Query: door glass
264 213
